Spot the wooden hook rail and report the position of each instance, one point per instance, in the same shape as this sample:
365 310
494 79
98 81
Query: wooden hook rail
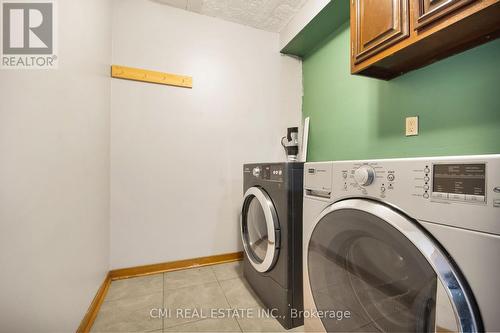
137 74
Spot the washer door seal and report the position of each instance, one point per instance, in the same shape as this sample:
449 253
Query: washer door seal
370 258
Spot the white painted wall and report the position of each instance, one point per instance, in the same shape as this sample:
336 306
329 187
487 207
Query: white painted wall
177 154
54 177
301 19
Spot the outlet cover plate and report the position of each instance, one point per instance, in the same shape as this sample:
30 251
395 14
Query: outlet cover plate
411 126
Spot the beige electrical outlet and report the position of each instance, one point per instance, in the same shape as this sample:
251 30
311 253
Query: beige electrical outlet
411 126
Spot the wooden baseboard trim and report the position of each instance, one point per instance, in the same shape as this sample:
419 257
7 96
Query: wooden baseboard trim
125 273
94 307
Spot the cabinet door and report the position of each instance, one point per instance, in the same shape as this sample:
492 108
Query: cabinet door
377 25
428 11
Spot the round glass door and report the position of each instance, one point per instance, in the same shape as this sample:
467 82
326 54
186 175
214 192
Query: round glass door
379 272
259 228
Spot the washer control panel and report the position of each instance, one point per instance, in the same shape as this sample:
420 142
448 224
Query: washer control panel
364 175
496 197
462 191
459 182
318 180
372 178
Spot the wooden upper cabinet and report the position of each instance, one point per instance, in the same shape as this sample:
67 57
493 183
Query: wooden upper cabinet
392 37
428 11
378 25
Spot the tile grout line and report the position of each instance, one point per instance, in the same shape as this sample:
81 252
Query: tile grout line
125 297
201 319
223 293
188 323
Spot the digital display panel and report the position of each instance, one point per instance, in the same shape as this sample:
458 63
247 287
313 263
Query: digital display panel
467 179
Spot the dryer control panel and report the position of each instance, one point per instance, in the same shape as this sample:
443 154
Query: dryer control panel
274 172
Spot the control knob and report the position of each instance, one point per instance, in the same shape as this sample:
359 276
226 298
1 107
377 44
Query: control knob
256 171
364 175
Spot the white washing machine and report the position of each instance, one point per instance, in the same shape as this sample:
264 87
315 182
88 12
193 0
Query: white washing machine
402 245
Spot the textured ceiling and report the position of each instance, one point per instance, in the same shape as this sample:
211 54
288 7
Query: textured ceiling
269 15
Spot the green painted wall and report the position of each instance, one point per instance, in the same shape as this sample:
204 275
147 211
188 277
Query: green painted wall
353 117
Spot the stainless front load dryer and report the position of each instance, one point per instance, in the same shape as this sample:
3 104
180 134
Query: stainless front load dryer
402 245
271 231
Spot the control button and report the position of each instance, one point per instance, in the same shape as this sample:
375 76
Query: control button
364 175
390 177
440 195
426 187
426 195
391 186
344 175
496 189
475 198
426 179
427 170
496 203
256 171
456 197
382 189
280 172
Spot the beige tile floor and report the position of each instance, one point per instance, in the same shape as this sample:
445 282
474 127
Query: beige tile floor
128 304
